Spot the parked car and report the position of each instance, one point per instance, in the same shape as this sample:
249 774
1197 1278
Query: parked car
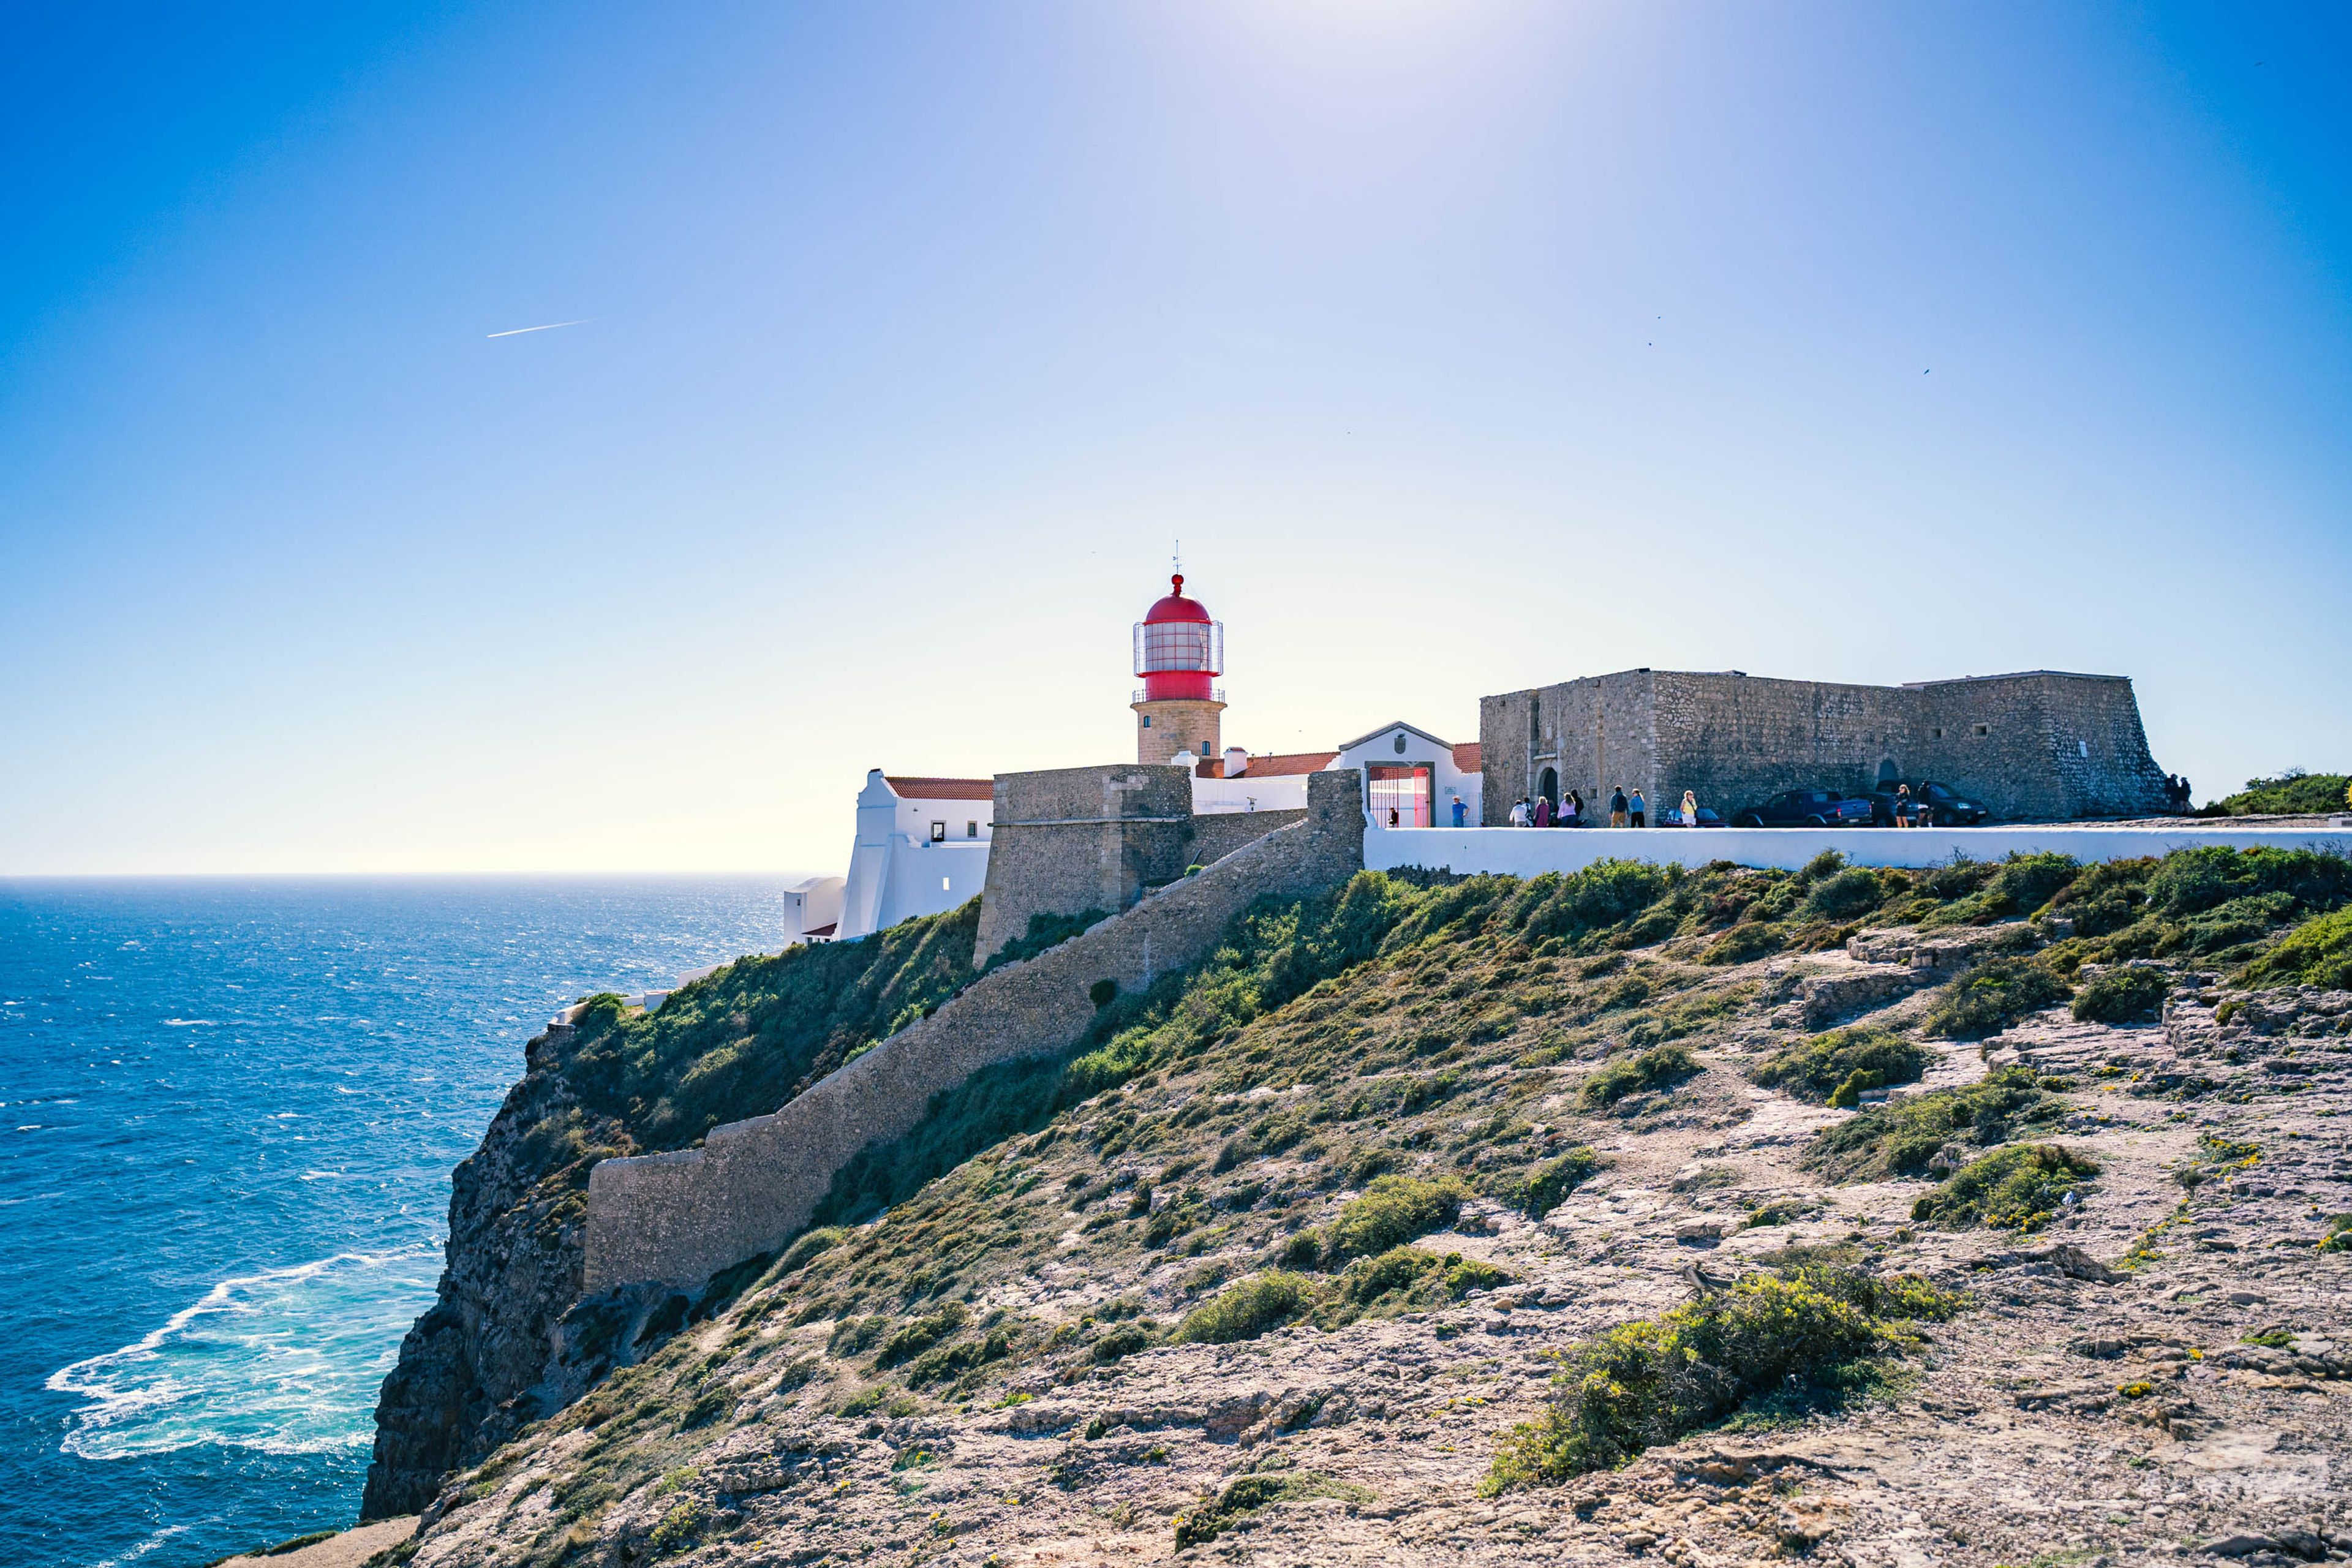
1945 807
1807 809
1706 818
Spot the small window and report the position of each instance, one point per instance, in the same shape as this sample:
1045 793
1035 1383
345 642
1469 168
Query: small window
1937 732
1982 731
971 830
1147 723
943 886
2084 747
939 833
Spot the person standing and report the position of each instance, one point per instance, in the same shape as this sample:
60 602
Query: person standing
1690 808
1639 808
1543 811
1461 808
1572 810
1519 812
1903 805
1617 806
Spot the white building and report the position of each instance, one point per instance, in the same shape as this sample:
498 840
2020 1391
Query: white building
922 849
1412 779
812 909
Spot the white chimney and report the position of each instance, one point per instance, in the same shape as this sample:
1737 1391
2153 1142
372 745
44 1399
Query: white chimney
1237 761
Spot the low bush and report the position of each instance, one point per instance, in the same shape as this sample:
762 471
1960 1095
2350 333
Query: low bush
1857 890
1549 1183
1660 1066
2293 791
2128 993
1658 1380
1994 996
2319 953
1405 1276
1246 1496
1900 1138
1393 1211
2019 1188
1837 1067
1247 1310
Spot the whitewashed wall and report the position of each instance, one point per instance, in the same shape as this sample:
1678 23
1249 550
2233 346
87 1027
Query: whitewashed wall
1530 851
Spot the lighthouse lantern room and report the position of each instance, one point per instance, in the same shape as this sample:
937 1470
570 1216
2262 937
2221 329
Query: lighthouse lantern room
1179 653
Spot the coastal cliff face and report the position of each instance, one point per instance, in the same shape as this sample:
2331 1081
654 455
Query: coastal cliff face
497 1350
468 1369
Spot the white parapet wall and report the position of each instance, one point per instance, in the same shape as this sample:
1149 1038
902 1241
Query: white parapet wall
1531 851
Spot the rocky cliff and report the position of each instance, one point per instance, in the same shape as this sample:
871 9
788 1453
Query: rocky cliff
495 1352
1974 1217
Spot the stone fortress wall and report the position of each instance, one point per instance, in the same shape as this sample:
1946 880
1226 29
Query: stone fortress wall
2038 745
1067 840
680 1217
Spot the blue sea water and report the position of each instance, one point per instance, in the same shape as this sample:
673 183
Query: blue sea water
228 1112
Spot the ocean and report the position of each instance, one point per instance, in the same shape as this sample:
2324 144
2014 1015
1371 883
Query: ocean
228 1112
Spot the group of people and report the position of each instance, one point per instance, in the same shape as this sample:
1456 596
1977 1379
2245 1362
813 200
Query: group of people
2176 793
1625 810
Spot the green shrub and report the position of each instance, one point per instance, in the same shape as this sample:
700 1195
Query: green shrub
1662 1067
1658 1380
2319 953
1393 1211
1899 1138
2126 994
1994 996
2338 1237
1827 1066
2292 792
921 1334
1748 939
1242 1498
1548 1184
2188 881
1247 1310
678 1529
1857 890
2018 1188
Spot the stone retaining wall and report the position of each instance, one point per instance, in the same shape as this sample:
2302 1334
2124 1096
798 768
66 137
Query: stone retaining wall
680 1217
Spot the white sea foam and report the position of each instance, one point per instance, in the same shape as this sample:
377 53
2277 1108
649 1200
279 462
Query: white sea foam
287 1360
144 1547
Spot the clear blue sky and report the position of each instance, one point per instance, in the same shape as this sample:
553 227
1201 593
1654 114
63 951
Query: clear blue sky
1465 347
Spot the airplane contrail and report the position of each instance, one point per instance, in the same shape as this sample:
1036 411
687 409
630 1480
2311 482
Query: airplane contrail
517 331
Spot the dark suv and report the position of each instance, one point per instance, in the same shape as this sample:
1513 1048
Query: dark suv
1944 807
1807 809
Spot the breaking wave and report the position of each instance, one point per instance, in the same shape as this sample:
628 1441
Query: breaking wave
287 1360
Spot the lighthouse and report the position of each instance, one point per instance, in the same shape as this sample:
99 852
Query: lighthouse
1179 654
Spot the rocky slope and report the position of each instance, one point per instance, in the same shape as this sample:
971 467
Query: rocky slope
1287 1259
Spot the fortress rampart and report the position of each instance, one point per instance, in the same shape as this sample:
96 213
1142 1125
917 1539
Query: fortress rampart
679 1217
2040 745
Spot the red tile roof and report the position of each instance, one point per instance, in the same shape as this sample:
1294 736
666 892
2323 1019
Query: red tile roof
1467 758
1288 762
941 789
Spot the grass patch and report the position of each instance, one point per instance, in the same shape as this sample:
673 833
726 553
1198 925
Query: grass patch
1825 1331
1393 1211
1660 1066
1547 1185
1246 1310
2292 792
2318 953
1900 1138
1837 1067
2128 994
1994 996
2019 1188
1240 1499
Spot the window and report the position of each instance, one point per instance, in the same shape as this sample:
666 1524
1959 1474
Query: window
939 833
1982 731
943 886
1937 732
971 830
1147 723
2084 747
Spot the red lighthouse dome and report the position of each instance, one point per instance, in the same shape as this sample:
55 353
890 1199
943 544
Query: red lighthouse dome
1178 648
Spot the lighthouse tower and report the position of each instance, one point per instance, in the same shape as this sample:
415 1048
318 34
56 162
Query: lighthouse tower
1179 652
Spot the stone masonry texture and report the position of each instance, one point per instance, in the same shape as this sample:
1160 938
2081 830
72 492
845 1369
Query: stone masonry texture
1068 840
1178 724
679 1217
2038 746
